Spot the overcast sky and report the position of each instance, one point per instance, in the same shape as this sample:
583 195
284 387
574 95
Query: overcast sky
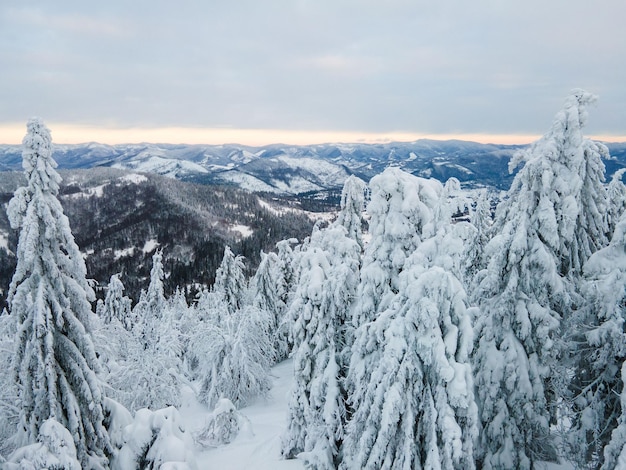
207 70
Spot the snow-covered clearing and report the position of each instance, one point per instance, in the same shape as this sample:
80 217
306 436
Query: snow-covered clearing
257 448
117 254
314 216
150 245
244 230
134 178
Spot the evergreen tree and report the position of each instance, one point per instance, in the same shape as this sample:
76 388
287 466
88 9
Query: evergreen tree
616 195
230 280
286 257
410 375
596 404
145 370
116 304
151 306
545 230
352 205
481 220
400 204
268 292
615 451
55 362
9 399
233 357
329 275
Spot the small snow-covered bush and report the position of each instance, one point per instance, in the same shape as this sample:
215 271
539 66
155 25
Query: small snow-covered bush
223 425
154 440
54 449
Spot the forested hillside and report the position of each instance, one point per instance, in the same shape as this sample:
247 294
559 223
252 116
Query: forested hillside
119 218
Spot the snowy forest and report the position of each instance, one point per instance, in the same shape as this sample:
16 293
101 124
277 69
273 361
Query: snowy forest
425 341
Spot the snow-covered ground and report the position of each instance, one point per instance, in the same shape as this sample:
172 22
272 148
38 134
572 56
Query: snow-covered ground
255 448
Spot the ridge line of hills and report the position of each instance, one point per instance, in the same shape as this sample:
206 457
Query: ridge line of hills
297 170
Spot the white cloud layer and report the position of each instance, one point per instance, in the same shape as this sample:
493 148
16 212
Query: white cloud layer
454 67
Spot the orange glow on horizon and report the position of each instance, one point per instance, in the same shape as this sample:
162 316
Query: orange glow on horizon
73 134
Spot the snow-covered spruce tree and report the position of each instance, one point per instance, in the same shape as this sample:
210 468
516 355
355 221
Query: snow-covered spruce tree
149 310
399 205
9 399
233 357
615 451
329 274
55 362
116 304
616 194
149 376
230 280
286 257
289 261
352 205
597 405
410 374
268 291
481 220
566 178
544 231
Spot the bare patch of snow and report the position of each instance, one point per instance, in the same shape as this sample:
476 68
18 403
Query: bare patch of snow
247 182
276 211
117 254
244 230
134 178
150 246
258 449
96 191
296 185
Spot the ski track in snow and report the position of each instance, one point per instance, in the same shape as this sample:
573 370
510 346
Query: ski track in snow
258 449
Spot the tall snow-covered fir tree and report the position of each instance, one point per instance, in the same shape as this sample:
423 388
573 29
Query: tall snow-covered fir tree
230 280
116 304
596 405
9 398
399 205
481 220
268 294
614 452
321 309
616 194
352 205
156 363
150 309
410 376
549 225
55 362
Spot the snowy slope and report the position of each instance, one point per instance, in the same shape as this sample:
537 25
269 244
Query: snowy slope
258 449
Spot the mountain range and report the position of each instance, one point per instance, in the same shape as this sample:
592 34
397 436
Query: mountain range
298 170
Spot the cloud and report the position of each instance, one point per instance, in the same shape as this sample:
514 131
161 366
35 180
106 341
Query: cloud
69 23
369 66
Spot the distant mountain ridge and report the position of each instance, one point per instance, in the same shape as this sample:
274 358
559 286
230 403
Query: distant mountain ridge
296 170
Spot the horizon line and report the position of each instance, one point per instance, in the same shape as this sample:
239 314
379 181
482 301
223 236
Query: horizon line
70 134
